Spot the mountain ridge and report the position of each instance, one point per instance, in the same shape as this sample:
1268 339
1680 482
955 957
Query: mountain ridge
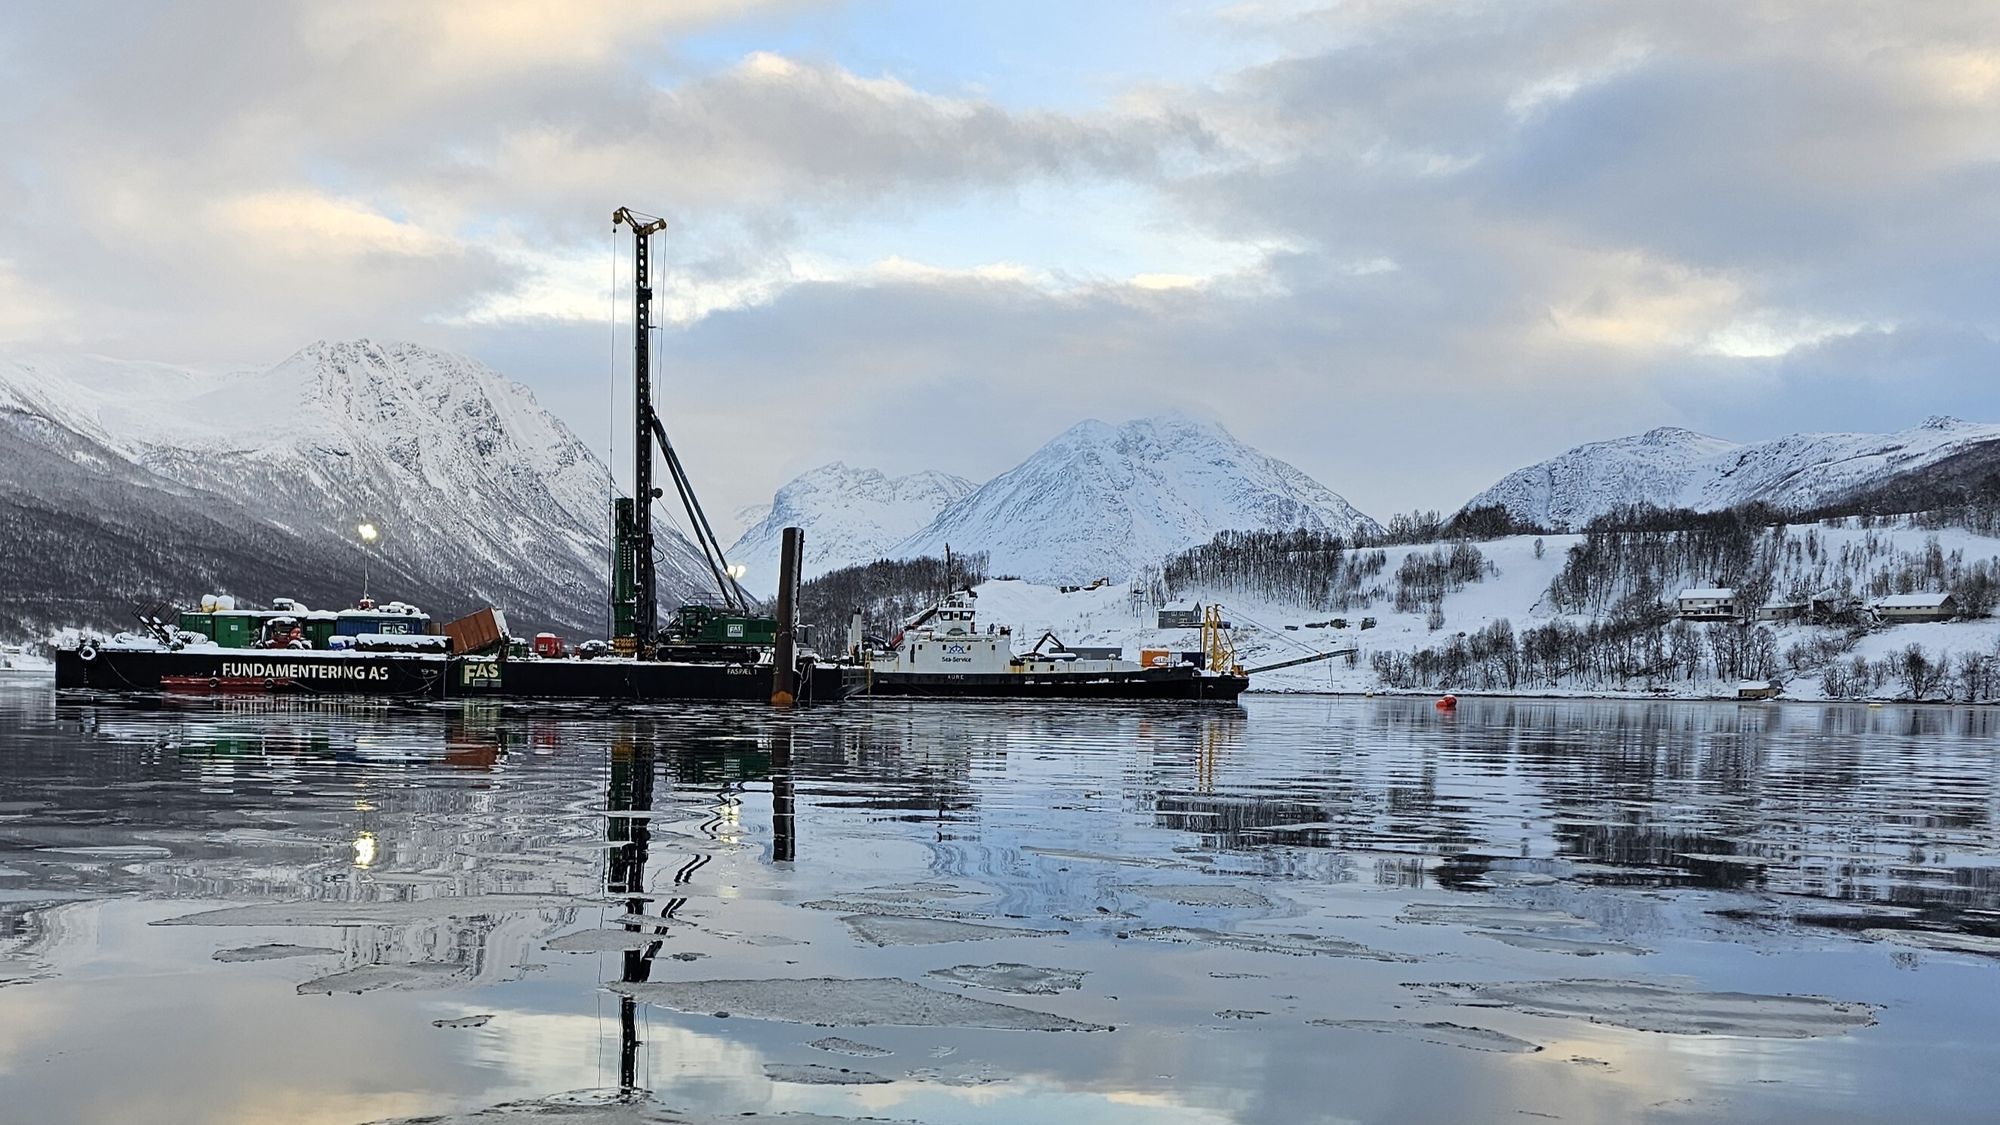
480 494
1671 467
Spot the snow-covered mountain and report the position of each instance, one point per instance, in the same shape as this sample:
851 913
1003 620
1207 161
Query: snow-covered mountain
849 515
1671 467
1104 501
480 495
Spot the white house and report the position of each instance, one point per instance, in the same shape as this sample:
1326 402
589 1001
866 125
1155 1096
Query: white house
1914 607
1717 603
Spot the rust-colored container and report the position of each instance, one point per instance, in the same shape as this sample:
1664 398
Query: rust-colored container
477 631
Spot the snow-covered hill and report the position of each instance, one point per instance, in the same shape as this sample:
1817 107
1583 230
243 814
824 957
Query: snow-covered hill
480 495
849 515
1105 501
1679 468
1515 590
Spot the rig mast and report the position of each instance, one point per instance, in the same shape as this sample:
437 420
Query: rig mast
642 621
634 585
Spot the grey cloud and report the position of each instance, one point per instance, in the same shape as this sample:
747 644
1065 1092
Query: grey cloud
1496 229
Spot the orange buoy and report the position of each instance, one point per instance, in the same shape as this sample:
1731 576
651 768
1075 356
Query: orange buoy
1446 702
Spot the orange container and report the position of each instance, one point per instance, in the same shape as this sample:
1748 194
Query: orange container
477 631
1156 658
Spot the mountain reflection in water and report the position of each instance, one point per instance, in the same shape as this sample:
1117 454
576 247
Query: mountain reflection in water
1275 907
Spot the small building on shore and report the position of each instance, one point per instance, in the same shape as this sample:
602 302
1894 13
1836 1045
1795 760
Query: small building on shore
1831 607
1778 611
1898 608
1714 603
1180 615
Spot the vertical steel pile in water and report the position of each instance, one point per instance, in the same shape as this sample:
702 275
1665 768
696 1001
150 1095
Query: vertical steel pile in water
785 668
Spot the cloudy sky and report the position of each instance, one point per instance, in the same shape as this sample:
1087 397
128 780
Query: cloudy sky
1407 246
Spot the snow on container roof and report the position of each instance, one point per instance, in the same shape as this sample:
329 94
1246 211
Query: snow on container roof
1717 593
1912 601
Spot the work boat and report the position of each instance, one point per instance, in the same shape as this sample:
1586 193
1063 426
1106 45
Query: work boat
944 652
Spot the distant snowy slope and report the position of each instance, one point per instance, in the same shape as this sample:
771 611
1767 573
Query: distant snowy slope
1679 468
1104 501
849 515
481 496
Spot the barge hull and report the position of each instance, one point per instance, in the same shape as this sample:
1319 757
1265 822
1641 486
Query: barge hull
408 676
1149 683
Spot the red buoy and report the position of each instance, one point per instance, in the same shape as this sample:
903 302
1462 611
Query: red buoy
1446 702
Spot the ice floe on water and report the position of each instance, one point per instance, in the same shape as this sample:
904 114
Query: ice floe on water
836 1045
1198 894
273 952
21 972
1493 916
837 1002
1545 943
600 941
819 1074
368 978
897 929
1938 940
1664 1008
1022 980
1295 945
1106 857
314 912
862 905
1441 1032
464 1021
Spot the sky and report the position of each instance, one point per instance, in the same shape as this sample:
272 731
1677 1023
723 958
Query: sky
1405 246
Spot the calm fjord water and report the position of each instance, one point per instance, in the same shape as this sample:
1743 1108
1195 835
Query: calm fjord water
1299 910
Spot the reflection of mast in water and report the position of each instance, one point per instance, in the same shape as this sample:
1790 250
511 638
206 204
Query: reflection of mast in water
628 825
630 791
